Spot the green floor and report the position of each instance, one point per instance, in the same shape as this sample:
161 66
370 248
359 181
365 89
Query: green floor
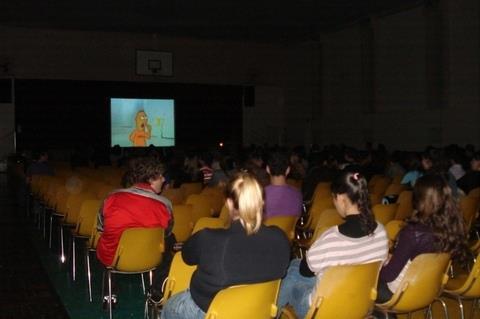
74 294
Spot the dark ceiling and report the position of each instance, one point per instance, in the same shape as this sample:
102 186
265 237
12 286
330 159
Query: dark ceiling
261 20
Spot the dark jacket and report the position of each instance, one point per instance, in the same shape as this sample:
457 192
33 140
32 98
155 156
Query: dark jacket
227 257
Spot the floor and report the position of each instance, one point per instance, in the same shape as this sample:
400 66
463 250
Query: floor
35 284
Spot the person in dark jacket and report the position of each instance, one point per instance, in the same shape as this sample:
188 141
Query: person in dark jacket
247 252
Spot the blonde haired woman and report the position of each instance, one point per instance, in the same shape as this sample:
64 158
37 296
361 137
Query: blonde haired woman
247 252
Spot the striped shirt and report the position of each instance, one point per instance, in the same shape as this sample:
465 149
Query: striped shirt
334 249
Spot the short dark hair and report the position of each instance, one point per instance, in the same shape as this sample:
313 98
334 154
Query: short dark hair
278 163
143 169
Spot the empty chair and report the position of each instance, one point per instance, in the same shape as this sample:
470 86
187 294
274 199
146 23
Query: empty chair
245 301
346 291
384 213
183 222
85 223
191 188
469 210
465 287
202 206
422 284
474 192
175 195
405 205
394 189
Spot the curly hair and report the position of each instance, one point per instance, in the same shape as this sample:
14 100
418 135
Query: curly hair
436 207
143 169
355 186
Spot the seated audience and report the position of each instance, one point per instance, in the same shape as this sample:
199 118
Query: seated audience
247 252
471 179
412 165
136 206
435 226
281 199
360 239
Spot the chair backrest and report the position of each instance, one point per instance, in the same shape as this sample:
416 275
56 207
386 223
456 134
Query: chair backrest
422 283
175 195
384 213
74 203
319 205
61 200
469 209
296 183
87 216
394 189
285 223
380 185
474 192
178 278
183 222
470 288
327 219
191 188
393 227
346 291
245 301
405 205
322 190
202 206
139 250
208 222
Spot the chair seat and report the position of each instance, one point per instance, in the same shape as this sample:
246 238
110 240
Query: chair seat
455 283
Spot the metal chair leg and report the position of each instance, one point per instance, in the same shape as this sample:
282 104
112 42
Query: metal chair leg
89 275
62 253
50 232
44 221
143 283
73 258
109 294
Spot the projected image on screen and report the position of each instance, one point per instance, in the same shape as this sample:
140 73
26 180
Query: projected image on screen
142 122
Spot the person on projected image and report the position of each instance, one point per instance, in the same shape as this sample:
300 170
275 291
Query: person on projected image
142 132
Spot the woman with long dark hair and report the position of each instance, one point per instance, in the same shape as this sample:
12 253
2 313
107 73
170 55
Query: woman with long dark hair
436 225
359 240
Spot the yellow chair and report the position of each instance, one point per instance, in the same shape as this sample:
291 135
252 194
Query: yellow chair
469 209
397 179
285 223
380 185
346 292
178 278
394 189
90 248
73 205
202 206
296 183
392 228
384 213
322 190
474 192
139 251
253 301
183 222
405 205
208 222
465 287
191 188
175 195
327 219
319 205
421 286
83 229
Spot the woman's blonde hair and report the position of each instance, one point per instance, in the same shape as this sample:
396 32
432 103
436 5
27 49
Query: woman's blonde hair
247 197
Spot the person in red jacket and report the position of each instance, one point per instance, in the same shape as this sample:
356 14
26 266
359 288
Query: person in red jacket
136 206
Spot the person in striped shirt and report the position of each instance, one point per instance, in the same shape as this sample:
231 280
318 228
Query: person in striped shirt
359 240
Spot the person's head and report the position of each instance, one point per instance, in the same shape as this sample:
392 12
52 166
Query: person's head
434 161
278 164
245 201
350 196
475 162
146 170
436 207
141 120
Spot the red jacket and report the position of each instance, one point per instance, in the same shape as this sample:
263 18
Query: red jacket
122 210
